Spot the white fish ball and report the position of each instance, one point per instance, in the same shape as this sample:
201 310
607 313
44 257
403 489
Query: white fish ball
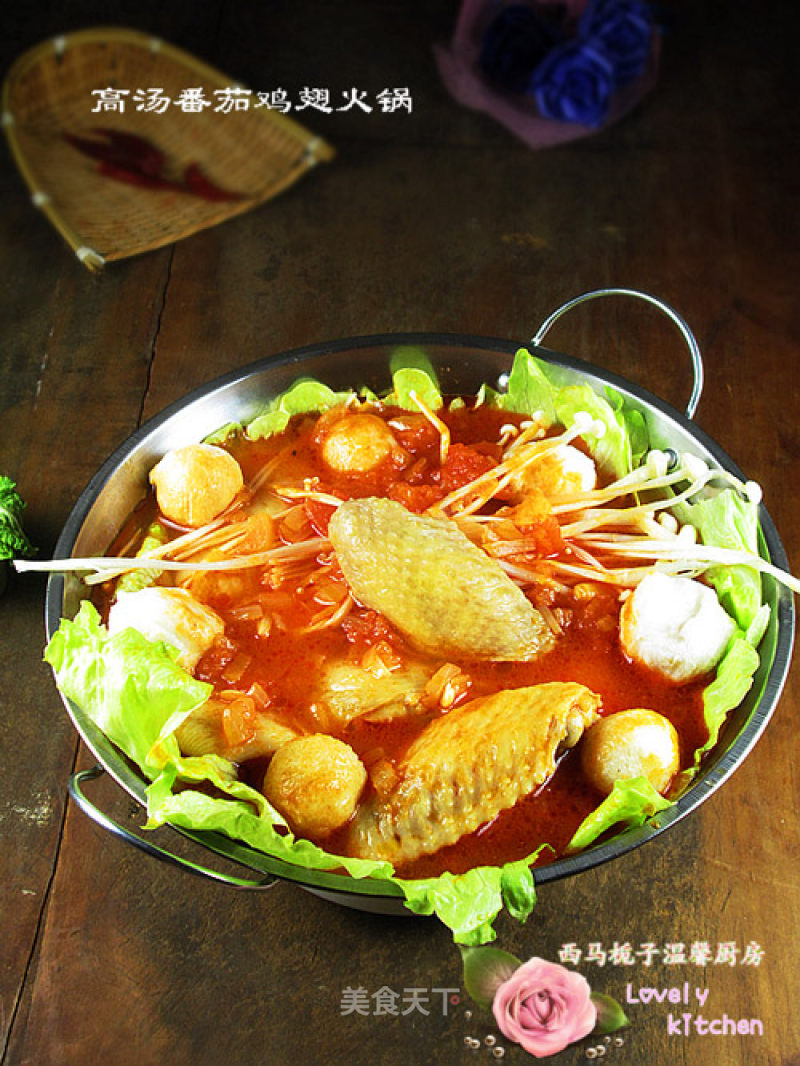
675 626
564 471
358 443
171 615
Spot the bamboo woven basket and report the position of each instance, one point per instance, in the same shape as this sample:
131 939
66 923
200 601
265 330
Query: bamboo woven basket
256 152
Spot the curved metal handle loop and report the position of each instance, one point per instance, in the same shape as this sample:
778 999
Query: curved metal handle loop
688 336
103 820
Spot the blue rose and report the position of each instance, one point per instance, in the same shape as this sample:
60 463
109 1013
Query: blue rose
514 43
574 83
623 28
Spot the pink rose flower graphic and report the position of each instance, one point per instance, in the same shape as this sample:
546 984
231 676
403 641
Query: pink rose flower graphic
544 1007
540 1005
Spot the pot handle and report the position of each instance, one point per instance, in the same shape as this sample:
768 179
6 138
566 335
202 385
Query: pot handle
688 336
103 820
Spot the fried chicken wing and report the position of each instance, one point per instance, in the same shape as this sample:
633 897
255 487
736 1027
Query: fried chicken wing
469 765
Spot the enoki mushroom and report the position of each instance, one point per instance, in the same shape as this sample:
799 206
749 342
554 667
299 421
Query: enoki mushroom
617 545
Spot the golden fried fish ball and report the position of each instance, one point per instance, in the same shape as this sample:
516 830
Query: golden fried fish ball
674 625
196 483
171 615
635 743
358 443
315 782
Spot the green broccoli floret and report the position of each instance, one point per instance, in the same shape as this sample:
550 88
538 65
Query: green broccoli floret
13 540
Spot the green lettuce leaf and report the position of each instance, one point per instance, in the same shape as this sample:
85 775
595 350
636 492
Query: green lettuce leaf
630 803
413 375
517 886
531 391
409 357
612 452
219 436
131 688
410 382
727 520
134 580
634 423
730 686
468 903
304 397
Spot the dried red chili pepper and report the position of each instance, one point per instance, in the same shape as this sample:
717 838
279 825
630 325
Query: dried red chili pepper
133 159
135 177
94 149
137 151
197 183
125 157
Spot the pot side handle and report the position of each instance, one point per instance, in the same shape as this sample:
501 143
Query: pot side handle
688 336
105 822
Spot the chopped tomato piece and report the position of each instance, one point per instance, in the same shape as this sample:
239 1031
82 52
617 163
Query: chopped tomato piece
368 628
318 514
415 433
214 661
547 534
417 498
464 464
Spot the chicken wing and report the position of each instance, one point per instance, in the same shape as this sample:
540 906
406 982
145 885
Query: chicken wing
469 765
442 592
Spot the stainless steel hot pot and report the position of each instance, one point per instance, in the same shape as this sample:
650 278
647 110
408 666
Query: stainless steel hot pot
463 363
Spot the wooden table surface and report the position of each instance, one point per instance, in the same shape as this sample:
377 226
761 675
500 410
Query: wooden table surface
435 220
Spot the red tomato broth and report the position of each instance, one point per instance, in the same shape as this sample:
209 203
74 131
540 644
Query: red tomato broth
284 663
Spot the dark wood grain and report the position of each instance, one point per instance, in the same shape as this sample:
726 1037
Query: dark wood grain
442 221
